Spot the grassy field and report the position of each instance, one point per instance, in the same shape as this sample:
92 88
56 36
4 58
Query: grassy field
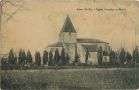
71 79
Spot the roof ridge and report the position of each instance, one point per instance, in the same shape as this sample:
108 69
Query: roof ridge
89 40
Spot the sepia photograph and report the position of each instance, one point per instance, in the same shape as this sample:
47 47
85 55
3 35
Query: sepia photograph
69 44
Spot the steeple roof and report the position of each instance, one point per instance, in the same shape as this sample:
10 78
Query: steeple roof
68 26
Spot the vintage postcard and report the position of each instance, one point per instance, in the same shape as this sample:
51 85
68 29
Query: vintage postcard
69 44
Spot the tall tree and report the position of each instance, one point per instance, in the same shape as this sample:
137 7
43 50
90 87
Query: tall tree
100 55
37 58
122 56
112 56
11 58
45 57
86 56
67 58
63 57
136 55
24 56
29 57
56 57
50 62
77 57
128 57
20 57
15 57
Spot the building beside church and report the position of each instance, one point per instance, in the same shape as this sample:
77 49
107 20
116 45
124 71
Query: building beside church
71 43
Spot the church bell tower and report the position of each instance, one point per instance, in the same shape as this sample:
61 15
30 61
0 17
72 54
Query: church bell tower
68 33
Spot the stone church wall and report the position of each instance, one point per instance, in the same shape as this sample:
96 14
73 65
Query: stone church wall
67 37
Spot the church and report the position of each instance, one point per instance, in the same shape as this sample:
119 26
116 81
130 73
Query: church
72 44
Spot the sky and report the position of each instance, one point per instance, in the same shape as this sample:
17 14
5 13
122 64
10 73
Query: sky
37 24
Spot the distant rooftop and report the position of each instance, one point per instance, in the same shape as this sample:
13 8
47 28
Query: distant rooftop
85 40
81 40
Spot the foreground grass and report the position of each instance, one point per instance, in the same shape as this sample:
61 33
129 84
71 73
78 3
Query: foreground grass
71 79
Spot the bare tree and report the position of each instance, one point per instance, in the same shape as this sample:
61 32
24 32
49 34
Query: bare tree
18 4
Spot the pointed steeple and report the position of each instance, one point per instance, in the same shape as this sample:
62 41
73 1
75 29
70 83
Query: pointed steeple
68 26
